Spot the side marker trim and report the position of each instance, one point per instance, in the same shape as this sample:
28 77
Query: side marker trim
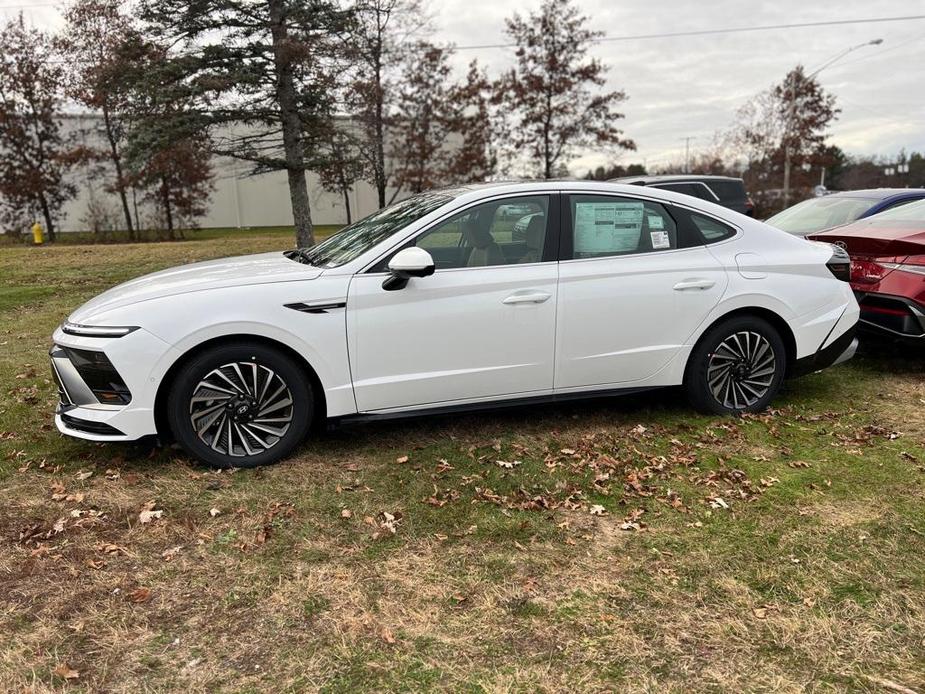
316 308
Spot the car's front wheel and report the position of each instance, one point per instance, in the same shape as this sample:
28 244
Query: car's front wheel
240 405
737 366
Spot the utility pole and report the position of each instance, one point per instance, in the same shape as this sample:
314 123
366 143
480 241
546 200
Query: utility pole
687 153
791 109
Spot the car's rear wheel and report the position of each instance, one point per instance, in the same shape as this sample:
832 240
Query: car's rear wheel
738 366
241 405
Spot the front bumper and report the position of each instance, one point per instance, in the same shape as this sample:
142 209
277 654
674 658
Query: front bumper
80 412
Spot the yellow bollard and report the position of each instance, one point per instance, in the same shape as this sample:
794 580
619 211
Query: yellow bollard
37 236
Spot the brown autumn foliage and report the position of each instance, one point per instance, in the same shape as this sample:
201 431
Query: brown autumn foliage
553 93
34 153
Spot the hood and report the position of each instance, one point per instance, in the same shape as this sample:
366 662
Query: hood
878 238
262 268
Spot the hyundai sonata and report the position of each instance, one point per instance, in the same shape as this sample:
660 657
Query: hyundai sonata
435 305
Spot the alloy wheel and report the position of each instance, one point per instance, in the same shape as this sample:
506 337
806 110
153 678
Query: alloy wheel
741 370
241 409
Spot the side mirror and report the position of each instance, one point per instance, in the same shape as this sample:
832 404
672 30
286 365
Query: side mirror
407 263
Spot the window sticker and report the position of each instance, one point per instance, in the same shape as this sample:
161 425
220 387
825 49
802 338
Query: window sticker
607 227
660 239
656 221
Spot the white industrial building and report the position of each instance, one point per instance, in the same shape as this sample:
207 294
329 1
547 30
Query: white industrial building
239 200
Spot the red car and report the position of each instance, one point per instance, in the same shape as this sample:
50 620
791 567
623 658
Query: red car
887 269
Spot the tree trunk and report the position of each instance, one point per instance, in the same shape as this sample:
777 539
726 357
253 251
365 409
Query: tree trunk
292 127
46 213
120 177
380 132
168 212
346 191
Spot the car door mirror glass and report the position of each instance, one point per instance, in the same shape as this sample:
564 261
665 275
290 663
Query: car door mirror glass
407 263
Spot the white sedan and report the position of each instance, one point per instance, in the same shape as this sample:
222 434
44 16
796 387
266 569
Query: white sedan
435 305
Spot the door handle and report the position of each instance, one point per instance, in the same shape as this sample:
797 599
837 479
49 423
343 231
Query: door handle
693 284
528 298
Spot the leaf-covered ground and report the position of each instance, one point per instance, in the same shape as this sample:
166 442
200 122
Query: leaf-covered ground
623 544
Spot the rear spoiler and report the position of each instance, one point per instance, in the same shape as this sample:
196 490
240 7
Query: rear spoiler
872 246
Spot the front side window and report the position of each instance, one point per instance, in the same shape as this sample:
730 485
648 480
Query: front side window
607 226
500 232
352 241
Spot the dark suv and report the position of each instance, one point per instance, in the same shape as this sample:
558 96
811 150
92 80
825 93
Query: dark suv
723 190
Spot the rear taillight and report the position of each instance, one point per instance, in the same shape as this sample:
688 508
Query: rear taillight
840 264
914 263
867 271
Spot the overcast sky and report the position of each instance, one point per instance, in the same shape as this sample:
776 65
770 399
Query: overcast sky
691 86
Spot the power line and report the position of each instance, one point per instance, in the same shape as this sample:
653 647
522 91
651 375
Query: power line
709 32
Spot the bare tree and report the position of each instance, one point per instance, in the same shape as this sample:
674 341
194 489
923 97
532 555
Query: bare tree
95 43
34 155
423 120
478 125
339 164
380 34
553 91
787 122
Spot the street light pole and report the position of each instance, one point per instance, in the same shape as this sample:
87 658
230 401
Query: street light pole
791 108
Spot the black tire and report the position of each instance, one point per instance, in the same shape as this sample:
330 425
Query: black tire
249 429
718 381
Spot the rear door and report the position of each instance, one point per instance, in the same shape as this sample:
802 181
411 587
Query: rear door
635 282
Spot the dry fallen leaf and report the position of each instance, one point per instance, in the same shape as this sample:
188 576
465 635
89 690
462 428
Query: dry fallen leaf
148 516
507 465
402 459
597 510
387 636
84 475
214 512
346 513
139 595
65 671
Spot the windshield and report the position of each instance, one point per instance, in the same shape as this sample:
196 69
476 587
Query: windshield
818 214
354 240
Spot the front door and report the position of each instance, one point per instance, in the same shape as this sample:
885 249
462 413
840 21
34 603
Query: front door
481 327
636 287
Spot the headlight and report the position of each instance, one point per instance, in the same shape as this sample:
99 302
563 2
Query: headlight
97 330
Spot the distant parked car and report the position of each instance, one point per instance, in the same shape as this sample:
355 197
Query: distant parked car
888 269
723 190
818 214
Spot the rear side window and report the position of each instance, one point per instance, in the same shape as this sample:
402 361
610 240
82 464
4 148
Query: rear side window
728 191
711 229
605 226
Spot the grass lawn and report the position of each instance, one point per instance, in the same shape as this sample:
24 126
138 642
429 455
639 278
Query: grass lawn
624 544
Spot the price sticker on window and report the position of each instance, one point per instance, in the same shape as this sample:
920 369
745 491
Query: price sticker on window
607 227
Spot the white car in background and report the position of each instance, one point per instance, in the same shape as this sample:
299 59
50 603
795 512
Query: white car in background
431 305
